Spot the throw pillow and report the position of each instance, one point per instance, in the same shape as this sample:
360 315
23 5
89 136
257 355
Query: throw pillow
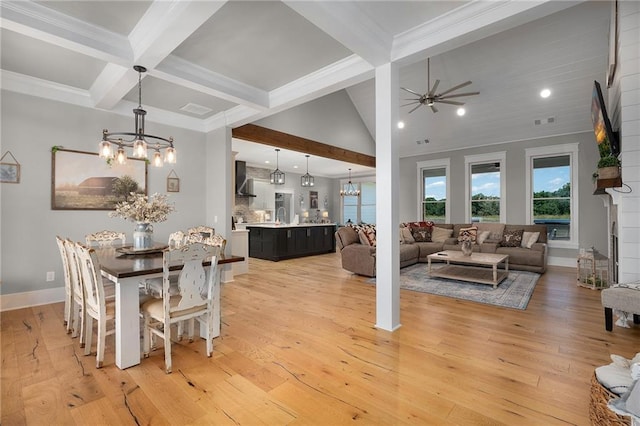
421 235
482 236
512 238
367 237
529 238
407 236
439 235
470 234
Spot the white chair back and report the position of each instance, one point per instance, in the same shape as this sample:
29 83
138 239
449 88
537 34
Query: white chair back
105 238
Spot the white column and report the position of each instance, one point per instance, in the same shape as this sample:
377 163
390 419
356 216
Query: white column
387 199
217 187
629 204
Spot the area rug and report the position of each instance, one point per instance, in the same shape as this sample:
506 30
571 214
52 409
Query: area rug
514 292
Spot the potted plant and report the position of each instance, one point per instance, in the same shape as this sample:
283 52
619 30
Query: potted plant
608 167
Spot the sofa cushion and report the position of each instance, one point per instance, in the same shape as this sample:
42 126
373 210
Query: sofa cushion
512 238
347 235
439 235
421 235
470 233
528 238
495 230
407 236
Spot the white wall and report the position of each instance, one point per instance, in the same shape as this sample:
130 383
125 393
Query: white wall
28 226
331 119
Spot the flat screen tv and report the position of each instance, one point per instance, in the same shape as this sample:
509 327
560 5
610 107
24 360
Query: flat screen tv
606 138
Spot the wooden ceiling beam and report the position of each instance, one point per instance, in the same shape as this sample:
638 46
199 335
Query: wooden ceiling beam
259 134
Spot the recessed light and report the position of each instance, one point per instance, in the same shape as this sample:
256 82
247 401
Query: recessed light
400 124
295 167
545 93
461 112
266 161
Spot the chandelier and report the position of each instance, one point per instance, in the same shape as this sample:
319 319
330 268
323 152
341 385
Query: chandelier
350 190
277 177
138 140
306 179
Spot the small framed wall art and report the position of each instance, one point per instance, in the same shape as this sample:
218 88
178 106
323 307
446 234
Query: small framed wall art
9 172
173 182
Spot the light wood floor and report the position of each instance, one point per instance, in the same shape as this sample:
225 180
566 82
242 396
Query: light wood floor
298 347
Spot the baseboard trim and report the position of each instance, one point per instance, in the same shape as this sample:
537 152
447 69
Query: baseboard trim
9 302
561 261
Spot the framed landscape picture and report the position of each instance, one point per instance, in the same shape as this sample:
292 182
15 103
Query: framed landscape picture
84 181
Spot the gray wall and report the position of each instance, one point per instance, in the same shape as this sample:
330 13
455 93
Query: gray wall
28 226
592 213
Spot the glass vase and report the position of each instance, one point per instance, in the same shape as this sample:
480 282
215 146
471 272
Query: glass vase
143 236
466 248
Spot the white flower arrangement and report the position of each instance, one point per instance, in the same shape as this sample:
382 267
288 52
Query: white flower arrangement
140 208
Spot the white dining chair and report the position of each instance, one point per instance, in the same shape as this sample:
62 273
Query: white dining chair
77 293
105 238
193 301
96 306
197 234
68 291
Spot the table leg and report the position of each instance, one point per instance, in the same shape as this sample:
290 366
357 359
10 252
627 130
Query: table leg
495 275
127 323
429 264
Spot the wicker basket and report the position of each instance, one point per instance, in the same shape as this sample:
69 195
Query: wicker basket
599 413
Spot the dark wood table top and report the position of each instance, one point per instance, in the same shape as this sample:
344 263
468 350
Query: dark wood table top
122 265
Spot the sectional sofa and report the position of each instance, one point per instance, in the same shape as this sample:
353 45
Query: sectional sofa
526 245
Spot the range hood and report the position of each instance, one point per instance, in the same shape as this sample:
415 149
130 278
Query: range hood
244 186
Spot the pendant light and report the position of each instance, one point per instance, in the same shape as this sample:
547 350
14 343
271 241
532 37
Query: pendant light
306 179
350 190
140 141
277 177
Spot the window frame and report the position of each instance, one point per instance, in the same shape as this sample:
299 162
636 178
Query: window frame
572 150
493 157
443 163
357 183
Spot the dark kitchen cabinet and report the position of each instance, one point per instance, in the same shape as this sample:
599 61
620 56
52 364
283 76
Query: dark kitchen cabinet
286 242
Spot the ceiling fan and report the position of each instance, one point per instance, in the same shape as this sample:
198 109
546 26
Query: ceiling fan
431 97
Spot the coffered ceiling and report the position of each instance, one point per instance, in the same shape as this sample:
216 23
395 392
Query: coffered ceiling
240 61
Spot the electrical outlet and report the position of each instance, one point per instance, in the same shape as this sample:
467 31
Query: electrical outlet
51 276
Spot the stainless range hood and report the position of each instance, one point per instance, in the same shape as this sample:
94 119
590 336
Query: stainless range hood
244 185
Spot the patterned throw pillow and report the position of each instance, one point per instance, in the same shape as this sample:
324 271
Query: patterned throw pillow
468 234
512 238
482 236
367 236
421 235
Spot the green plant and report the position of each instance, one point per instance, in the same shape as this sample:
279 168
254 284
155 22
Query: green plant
608 161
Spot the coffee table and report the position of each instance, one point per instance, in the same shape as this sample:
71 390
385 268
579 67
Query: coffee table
470 268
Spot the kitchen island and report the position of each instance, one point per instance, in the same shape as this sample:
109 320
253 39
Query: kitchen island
277 242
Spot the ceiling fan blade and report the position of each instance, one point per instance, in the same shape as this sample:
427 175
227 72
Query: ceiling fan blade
433 89
434 109
458 95
410 103
451 102
459 86
411 91
415 108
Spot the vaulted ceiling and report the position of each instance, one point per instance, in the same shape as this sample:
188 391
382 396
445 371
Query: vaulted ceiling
237 62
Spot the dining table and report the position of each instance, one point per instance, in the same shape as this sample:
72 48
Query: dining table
127 269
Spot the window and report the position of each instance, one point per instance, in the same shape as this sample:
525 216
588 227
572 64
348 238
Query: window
360 209
433 190
552 192
485 188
